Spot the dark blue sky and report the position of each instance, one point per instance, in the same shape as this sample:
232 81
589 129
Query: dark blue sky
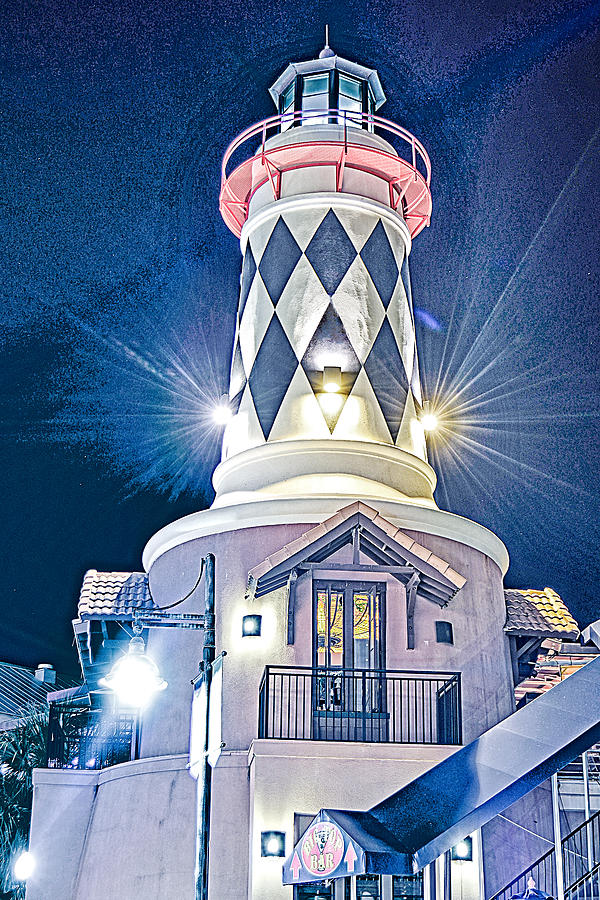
119 279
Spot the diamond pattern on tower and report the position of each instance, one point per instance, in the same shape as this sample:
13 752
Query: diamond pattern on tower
271 374
248 273
342 303
378 257
406 281
279 260
330 252
385 371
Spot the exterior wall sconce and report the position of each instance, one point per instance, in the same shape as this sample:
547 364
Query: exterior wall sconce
272 843
332 379
463 851
251 626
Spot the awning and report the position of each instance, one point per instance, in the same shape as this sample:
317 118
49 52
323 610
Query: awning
338 843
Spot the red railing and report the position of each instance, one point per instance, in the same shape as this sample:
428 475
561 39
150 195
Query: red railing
408 179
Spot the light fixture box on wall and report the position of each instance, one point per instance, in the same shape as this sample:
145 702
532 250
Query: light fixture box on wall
251 625
272 843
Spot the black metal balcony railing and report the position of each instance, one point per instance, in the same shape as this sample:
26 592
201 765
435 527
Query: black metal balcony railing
84 738
379 705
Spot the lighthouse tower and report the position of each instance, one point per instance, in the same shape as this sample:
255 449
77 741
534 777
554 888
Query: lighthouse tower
352 634
326 200
363 627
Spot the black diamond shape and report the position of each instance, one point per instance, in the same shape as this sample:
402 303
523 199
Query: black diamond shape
238 375
279 260
385 371
330 252
381 264
329 346
248 273
271 374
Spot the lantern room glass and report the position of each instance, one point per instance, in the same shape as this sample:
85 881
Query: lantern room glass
316 94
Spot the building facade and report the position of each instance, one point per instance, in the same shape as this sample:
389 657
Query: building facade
361 632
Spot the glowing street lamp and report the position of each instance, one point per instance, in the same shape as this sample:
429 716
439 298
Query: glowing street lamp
24 866
135 678
430 422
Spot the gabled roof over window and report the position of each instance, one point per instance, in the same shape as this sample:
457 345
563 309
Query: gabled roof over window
369 533
541 614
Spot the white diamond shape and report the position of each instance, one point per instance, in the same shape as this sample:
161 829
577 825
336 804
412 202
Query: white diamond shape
396 242
360 308
415 381
299 417
358 225
258 312
361 418
244 430
260 237
398 313
303 223
411 436
301 306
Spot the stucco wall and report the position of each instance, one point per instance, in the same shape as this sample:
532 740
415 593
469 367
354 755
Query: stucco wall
303 777
126 832
121 856
477 613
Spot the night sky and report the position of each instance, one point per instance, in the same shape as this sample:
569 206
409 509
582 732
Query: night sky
119 279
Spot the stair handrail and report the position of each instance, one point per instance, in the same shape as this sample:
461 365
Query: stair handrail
537 862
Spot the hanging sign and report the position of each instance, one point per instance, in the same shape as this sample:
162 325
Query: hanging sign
200 747
324 851
215 707
198 729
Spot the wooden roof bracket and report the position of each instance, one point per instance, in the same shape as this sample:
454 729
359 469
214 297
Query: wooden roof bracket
411 599
291 605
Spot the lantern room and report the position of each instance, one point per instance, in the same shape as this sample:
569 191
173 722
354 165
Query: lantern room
327 90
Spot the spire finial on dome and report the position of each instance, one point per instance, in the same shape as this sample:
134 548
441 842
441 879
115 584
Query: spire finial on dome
326 51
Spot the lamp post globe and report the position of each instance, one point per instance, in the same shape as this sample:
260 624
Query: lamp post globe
135 678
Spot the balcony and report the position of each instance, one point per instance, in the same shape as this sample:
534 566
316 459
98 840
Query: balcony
379 705
404 164
84 738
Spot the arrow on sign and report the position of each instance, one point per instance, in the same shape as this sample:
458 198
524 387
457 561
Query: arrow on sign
350 857
295 865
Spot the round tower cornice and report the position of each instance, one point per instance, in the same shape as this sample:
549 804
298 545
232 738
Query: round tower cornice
318 201
301 468
311 511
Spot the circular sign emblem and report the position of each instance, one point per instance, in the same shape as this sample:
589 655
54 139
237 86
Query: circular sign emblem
322 848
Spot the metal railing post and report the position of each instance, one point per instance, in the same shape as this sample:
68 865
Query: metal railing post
558 858
586 806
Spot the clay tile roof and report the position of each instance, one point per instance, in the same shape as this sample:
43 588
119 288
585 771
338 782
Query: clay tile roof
538 614
114 595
